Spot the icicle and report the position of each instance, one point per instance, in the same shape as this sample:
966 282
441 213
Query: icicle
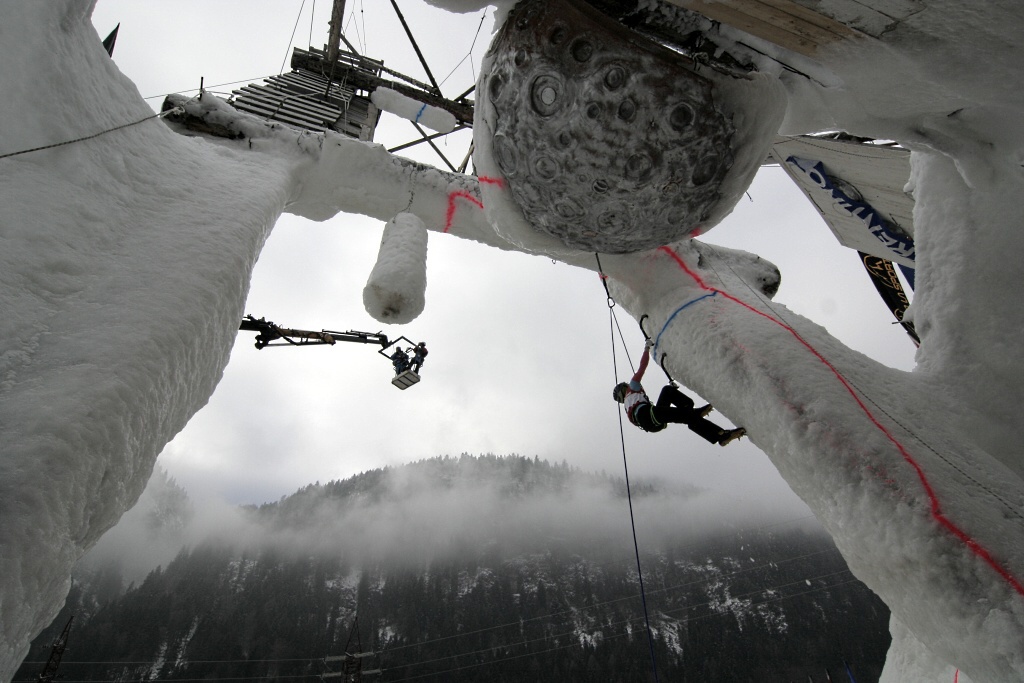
398 282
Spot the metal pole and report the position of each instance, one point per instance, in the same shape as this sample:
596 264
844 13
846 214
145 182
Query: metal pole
416 47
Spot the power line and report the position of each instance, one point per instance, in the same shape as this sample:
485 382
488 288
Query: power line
549 615
209 87
761 591
275 677
664 589
573 643
194 661
483 16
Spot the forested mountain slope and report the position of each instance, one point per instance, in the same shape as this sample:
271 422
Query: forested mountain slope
491 596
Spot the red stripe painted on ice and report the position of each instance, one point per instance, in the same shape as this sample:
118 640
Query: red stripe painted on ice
459 194
933 499
464 194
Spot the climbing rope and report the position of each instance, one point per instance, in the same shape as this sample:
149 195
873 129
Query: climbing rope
613 322
94 135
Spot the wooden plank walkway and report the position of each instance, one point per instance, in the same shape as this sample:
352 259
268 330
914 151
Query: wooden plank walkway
312 101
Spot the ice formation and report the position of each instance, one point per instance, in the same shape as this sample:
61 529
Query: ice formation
429 116
607 147
397 287
126 259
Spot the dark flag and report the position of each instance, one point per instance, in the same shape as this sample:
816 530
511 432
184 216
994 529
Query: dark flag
108 42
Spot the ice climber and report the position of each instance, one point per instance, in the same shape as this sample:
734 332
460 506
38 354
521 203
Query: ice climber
672 406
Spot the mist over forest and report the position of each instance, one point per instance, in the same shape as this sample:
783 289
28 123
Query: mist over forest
499 568
435 508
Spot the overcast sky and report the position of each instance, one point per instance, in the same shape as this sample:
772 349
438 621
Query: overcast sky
520 356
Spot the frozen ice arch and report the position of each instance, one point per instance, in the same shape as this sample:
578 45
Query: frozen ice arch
91 411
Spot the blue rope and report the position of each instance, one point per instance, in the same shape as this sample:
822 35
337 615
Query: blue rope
668 322
420 113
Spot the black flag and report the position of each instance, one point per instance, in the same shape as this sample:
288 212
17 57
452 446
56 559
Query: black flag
108 42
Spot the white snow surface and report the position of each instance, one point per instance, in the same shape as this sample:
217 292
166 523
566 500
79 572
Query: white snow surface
125 263
427 115
396 290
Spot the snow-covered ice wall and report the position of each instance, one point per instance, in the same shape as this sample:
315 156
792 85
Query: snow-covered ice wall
124 265
126 259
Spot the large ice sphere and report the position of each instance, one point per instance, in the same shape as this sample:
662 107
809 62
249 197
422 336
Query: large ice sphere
610 142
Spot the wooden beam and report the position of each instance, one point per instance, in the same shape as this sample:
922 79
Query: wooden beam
334 36
782 22
360 78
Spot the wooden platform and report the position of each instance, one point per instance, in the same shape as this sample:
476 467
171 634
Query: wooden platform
312 101
802 28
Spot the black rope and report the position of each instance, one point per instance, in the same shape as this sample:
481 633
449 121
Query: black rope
623 340
291 41
612 324
629 498
87 137
604 281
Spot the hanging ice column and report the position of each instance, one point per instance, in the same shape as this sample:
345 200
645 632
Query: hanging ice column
396 103
607 142
395 292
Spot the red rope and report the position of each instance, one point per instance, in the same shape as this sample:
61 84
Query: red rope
936 508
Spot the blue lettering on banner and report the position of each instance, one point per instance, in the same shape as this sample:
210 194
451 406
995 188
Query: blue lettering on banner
897 243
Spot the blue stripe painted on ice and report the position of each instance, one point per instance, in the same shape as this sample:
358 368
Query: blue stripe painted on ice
668 322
